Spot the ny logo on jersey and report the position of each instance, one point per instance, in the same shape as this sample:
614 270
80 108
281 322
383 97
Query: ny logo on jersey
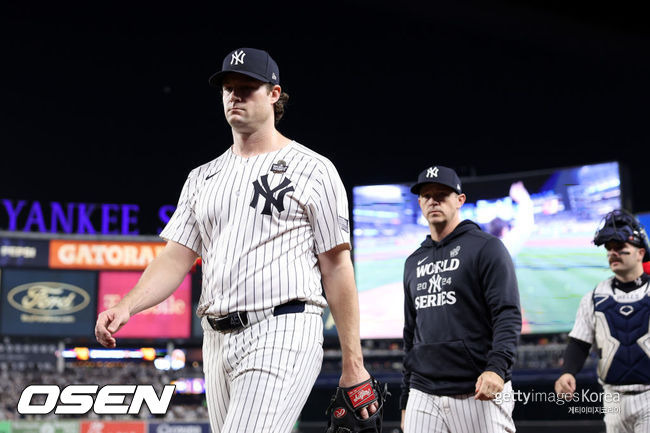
432 172
265 191
237 58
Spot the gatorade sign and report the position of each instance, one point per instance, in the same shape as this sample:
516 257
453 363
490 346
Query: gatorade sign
103 254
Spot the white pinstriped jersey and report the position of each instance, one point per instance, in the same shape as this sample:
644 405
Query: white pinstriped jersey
258 224
584 328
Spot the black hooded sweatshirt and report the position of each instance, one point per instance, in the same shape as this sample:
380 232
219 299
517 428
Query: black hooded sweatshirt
461 312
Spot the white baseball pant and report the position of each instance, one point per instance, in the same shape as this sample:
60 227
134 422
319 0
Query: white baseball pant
258 378
628 414
427 413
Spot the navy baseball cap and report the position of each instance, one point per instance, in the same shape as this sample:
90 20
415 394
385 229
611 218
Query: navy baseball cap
438 174
252 62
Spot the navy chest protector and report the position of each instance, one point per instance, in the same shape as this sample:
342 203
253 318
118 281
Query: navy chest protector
623 339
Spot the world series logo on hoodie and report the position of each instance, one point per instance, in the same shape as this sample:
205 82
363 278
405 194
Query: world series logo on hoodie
435 284
437 267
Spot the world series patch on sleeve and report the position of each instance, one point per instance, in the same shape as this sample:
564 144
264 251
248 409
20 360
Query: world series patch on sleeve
347 402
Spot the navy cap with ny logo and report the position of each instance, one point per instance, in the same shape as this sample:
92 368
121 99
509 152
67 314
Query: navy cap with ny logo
252 62
438 174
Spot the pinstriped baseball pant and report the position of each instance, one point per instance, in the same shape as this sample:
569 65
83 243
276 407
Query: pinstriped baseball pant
426 413
631 414
258 379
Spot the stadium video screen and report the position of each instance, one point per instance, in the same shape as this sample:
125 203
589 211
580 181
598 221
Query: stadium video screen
546 219
644 219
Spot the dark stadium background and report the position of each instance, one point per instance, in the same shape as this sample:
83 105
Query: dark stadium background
108 101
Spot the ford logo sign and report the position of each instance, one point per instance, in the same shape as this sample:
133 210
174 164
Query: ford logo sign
48 298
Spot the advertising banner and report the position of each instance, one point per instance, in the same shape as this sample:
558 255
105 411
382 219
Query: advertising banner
24 253
113 427
44 427
102 255
179 427
169 319
48 303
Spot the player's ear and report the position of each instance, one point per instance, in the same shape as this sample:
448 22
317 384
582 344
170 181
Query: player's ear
275 92
461 199
641 254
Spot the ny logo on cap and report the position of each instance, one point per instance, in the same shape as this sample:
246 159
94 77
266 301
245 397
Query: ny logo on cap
432 172
237 58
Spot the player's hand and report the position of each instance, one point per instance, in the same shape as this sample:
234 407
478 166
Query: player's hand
353 377
488 385
565 386
108 323
518 192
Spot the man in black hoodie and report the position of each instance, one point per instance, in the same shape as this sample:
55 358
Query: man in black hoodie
462 319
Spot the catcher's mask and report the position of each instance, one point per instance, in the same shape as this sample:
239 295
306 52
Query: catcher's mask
620 225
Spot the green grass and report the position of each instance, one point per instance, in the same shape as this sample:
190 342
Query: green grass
370 274
551 282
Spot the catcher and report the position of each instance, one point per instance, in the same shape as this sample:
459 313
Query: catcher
614 316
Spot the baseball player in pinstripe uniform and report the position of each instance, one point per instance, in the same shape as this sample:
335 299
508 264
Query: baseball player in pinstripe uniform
616 317
269 218
461 320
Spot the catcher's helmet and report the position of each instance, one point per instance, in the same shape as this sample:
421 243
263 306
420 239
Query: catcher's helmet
620 225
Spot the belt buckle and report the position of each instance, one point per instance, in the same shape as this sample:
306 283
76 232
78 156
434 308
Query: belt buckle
231 322
239 319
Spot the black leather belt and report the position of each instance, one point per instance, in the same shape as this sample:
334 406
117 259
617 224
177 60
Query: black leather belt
239 319
632 392
236 320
